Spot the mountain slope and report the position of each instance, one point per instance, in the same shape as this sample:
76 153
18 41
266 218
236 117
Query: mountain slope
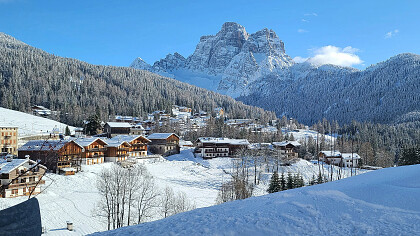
31 76
383 202
381 93
228 61
255 69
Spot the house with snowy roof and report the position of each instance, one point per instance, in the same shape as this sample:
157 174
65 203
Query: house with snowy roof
340 159
288 148
138 144
93 150
210 147
164 143
20 177
115 128
59 156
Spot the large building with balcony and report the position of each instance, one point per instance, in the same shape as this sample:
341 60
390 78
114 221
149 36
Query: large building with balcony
209 147
138 144
59 156
289 149
20 177
94 150
8 140
164 143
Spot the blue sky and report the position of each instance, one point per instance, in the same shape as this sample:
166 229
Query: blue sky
116 32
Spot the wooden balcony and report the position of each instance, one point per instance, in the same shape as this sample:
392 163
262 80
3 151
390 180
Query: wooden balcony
28 184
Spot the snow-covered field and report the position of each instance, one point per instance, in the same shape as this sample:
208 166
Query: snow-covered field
382 202
30 125
73 198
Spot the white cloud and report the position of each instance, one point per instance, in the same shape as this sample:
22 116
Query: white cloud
391 34
311 14
304 20
302 31
332 55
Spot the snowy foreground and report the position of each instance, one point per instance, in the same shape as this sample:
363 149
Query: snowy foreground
383 202
73 198
30 125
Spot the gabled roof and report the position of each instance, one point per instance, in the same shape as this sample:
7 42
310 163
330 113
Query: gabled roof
84 142
116 143
45 145
285 143
161 135
331 153
223 141
128 138
118 124
8 166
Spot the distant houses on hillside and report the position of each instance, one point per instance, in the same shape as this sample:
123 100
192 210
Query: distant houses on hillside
209 147
340 159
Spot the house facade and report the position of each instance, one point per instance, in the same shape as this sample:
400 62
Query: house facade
209 147
288 148
113 129
60 156
20 177
9 140
340 159
116 151
138 144
164 143
93 150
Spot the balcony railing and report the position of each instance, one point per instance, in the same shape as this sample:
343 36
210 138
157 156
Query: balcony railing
28 184
96 150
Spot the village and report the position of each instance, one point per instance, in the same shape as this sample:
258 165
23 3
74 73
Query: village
127 139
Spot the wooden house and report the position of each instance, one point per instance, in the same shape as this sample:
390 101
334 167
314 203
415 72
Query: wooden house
93 150
288 148
116 128
20 177
138 144
8 140
116 151
60 156
164 143
209 147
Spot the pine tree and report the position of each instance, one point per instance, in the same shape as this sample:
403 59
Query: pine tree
290 182
67 132
282 182
320 179
274 183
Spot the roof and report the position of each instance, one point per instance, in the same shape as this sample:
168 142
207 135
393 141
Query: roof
8 166
331 153
160 135
116 143
44 145
84 142
119 125
348 156
285 143
127 138
223 140
184 143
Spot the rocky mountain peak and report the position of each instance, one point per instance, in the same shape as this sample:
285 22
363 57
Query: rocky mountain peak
139 63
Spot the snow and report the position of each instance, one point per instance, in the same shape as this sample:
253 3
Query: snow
30 125
73 198
223 141
160 135
382 202
119 125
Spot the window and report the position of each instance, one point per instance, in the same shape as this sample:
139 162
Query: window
14 191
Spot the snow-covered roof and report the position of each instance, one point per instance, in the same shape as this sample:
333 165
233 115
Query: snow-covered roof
8 166
44 145
127 138
160 135
84 142
331 153
223 140
285 143
348 156
119 125
116 143
185 143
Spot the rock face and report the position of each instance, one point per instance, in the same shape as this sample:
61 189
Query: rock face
226 62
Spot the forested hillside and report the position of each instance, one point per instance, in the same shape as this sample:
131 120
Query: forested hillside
31 76
383 93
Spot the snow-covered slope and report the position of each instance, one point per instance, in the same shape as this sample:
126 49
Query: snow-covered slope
383 202
30 125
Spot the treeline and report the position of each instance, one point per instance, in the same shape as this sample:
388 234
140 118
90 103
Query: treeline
77 89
